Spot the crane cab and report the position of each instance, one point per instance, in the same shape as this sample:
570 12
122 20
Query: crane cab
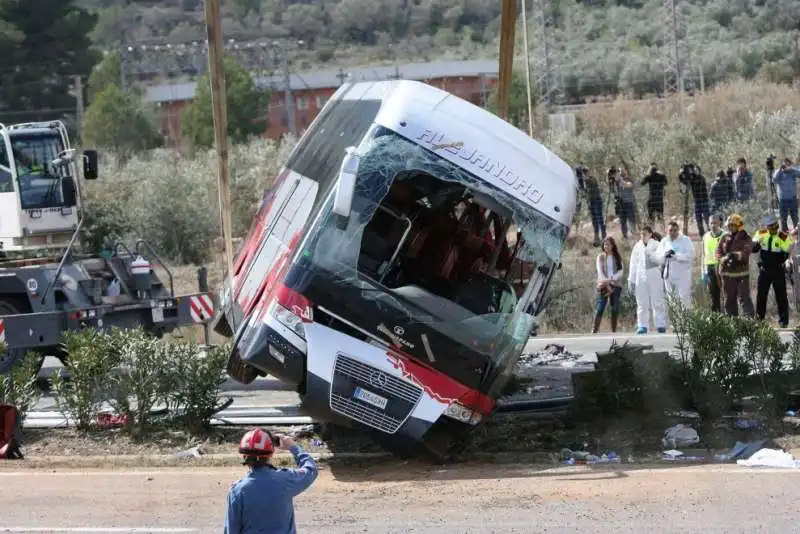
40 198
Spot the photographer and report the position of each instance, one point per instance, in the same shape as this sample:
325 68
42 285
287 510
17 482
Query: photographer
721 192
594 199
691 177
262 501
655 200
785 179
743 181
627 203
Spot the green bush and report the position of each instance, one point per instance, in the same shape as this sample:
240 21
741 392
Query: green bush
91 356
142 380
172 200
726 358
134 373
195 383
19 387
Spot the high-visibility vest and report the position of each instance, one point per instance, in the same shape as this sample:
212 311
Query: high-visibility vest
710 244
779 242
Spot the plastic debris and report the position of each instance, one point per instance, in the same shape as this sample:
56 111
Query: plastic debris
194 452
679 436
771 458
674 455
747 424
743 451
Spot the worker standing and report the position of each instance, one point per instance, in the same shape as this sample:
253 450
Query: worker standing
711 277
262 501
676 254
733 255
774 248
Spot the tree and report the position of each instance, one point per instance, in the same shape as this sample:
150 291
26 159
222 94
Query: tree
517 100
52 46
248 107
107 72
117 120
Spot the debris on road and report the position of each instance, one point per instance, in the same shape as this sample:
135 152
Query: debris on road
770 458
552 355
744 451
194 452
679 436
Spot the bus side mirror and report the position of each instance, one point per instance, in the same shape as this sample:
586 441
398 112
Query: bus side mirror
90 164
346 187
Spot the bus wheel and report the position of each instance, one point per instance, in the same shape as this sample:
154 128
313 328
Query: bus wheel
240 371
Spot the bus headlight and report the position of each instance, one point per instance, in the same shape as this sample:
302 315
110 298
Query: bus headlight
287 319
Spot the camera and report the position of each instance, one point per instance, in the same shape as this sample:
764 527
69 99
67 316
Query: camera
730 172
771 162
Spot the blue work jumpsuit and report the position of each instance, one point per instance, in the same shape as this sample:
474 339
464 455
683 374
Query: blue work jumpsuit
262 501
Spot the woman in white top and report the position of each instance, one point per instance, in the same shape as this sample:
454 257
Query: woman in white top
609 283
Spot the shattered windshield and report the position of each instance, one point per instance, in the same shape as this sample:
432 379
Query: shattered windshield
431 240
39 183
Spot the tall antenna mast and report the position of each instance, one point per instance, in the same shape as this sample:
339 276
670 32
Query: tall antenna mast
547 71
673 57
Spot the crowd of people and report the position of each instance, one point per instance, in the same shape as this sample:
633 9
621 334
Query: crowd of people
662 265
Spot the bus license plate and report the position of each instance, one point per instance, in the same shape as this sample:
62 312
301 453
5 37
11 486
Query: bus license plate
370 398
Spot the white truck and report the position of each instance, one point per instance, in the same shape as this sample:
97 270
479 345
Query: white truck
46 287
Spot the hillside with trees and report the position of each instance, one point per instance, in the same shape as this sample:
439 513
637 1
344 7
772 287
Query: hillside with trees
603 46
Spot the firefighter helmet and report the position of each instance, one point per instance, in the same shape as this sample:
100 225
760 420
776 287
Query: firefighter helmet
256 443
736 220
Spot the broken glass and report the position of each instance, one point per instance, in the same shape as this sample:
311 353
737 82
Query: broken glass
387 158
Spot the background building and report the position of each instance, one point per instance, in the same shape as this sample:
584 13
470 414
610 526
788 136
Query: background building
470 80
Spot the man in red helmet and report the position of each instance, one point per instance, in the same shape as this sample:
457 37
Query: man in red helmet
262 501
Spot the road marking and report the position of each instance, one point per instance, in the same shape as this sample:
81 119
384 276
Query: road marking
109 530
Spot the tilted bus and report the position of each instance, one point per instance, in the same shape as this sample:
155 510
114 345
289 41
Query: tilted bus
397 265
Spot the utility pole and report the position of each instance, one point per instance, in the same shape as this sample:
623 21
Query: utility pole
528 96
702 80
547 71
508 27
220 116
79 103
288 96
796 60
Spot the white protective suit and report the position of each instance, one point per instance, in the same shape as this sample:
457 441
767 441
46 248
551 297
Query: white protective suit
678 268
644 274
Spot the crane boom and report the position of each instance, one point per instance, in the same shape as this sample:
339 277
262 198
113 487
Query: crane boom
508 26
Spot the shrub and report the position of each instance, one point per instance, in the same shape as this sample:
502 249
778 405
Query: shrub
142 381
19 386
91 355
195 382
724 358
172 200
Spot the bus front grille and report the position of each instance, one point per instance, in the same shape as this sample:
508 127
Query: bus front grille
350 375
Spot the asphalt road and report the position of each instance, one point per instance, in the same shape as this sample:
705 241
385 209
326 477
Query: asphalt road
589 344
404 497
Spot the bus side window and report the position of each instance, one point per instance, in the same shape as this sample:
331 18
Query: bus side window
6 180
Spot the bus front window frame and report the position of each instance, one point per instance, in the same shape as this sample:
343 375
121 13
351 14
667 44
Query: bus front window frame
385 156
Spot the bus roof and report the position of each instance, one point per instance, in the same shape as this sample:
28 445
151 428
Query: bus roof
474 139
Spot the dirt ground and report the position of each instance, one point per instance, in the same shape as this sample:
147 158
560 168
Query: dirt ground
408 497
